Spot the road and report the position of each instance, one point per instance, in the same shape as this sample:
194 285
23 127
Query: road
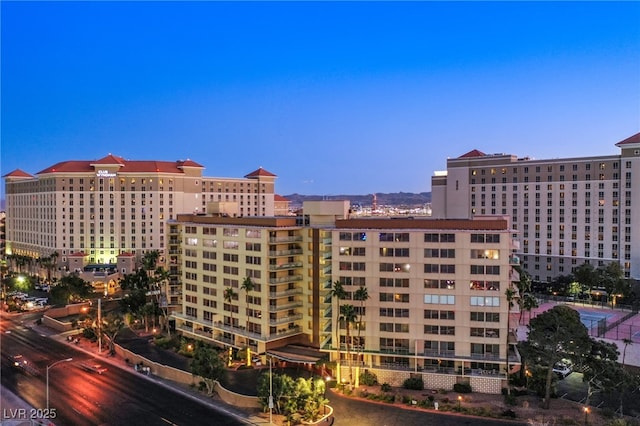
81 398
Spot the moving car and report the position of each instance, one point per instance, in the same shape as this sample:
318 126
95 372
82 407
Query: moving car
92 367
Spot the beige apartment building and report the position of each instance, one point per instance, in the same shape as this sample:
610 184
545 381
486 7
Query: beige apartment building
280 314
567 211
94 213
437 305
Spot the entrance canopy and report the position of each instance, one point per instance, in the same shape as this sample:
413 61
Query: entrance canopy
298 354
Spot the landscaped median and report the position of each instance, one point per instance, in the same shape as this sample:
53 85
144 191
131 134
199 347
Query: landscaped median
526 408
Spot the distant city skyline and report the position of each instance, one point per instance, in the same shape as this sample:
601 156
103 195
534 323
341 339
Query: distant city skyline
332 97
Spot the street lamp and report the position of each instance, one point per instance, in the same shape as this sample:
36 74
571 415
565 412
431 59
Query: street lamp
48 367
459 400
270 393
586 413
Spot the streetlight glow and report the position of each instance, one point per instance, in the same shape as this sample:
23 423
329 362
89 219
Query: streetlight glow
48 367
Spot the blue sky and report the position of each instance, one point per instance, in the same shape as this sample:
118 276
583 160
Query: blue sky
333 97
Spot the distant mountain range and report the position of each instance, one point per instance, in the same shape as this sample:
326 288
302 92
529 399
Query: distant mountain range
398 199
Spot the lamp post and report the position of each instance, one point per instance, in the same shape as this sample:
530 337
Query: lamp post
270 393
586 413
459 400
48 367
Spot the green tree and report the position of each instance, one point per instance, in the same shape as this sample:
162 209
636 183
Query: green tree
554 335
586 275
339 293
362 295
611 277
70 288
248 286
527 302
208 364
229 295
112 324
281 387
510 293
159 280
349 316
626 342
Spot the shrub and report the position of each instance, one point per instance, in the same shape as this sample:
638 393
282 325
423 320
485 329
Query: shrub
385 387
509 413
462 387
414 383
390 398
406 399
331 384
368 379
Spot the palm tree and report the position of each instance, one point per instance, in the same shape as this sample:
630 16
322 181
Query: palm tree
149 260
626 342
160 277
348 315
527 302
362 295
339 293
229 295
247 286
510 293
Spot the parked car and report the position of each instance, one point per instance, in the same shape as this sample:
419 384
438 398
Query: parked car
563 369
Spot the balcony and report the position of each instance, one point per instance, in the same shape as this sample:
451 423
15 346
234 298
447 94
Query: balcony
290 252
515 245
285 279
285 239
284 307
284 266
514 260
240 330
285 332
285 293
284 320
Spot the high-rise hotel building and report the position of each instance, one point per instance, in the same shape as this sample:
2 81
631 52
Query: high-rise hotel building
92 212
436 308
567 211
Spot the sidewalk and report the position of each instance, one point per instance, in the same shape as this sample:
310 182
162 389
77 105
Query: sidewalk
15 411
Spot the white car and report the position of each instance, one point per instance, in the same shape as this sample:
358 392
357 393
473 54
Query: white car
562 369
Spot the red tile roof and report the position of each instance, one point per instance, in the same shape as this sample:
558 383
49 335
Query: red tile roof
630 140
110 160
18 174
474 153
260 172
277 197
126 166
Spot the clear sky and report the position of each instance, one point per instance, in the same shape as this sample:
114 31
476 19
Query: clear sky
333 97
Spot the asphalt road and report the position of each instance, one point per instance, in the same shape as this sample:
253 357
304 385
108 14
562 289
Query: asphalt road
82 398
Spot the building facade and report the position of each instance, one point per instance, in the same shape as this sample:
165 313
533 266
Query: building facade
102 209
437 305
567 211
